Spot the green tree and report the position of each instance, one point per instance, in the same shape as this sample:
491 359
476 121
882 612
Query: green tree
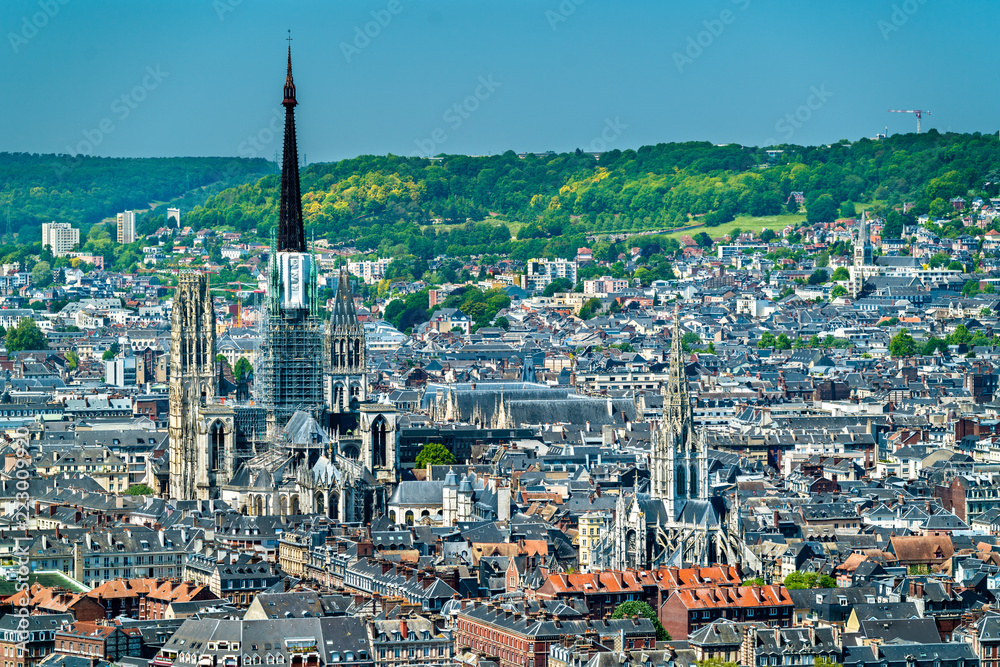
955 266
433 454
767 235
637 608
590 308
766 341
139 490
817 277
715 662
73 360
26 336
848 210
782 342
703 240
802 580
690 338
558 285
838 291
821 209
502 322
41 274
902 345
756 581
840 274
970 289
242 369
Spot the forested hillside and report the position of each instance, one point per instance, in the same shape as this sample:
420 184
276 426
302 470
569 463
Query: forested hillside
556 199
84 190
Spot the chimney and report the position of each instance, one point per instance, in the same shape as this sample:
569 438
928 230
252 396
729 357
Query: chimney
403 629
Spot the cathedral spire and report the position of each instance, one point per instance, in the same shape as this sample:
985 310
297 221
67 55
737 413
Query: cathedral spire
677 400
291 234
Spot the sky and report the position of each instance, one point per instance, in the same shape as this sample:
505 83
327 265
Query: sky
126 78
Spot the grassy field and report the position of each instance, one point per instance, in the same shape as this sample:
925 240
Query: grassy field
747 224
512 225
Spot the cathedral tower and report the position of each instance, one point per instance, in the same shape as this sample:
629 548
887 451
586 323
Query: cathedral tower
290 377
346 354
200 430
679 462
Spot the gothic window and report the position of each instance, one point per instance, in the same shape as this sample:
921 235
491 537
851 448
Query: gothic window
217 444
357 351
694 480
681 481
379 438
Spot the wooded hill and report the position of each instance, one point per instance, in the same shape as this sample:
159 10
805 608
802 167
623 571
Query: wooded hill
84 190
555 199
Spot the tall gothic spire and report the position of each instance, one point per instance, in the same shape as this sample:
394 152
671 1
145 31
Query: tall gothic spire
291 233
678 404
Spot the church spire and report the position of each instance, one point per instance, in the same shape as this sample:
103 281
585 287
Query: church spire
291 234
677 401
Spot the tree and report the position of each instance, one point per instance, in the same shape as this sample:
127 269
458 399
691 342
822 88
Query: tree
26 336
767 235
955 266
558 285
502 323
589 308
848 210
139 490
803 580
840 274
703 240
41 274
766 341
838 291
782 343
970 289
637 608
821 209
817 277
433 454
902 345
72 359
242 369
689 339
756 581
715 662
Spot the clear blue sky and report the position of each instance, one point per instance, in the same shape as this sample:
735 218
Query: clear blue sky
596 74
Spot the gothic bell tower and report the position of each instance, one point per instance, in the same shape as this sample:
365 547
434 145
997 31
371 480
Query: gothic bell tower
679 460
200 430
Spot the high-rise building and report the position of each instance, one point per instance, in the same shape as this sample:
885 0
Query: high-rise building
60 237
126 227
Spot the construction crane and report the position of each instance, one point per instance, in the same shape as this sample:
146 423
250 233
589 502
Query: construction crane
917 112
239 298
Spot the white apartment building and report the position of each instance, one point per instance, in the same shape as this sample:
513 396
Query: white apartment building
605 285
174 215
60 237
126 227
368 270
541 272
